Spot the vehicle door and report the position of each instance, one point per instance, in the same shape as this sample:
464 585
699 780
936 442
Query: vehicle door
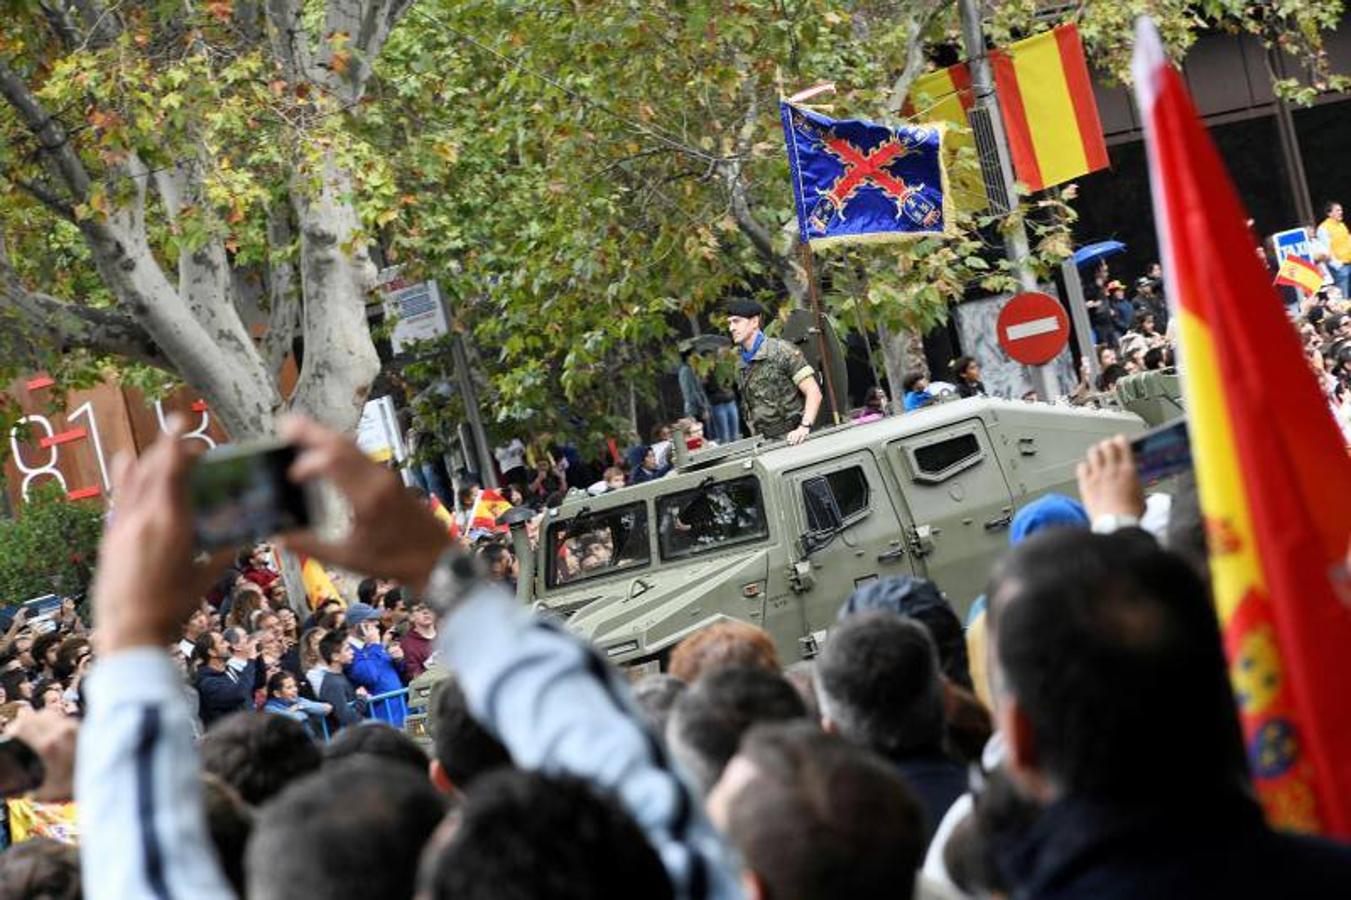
960 504
845 532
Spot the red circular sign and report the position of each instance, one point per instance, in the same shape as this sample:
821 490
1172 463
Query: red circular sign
1033 328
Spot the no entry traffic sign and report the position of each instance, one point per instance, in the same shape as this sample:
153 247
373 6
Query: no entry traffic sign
1033 328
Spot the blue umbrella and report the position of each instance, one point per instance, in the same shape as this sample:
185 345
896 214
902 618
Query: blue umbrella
1089 254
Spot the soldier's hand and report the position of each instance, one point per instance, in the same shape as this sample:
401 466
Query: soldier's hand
798 435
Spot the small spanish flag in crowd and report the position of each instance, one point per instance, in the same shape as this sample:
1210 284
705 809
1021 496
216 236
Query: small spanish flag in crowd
489 505
33 819
318 586
445 516
1046 100
1297 272
1271 468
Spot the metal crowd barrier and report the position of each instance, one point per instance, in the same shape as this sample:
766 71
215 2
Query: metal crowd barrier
402 694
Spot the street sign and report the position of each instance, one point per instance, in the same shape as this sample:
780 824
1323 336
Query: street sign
1033 328
1292 242
417 313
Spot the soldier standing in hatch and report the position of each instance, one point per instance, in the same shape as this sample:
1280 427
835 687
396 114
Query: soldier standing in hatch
777 385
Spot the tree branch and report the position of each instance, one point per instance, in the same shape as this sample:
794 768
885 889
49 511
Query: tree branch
68 326
58 17
914 57
283 291
57 151
103 24
740 207
367 24
43 195
290 43
204 281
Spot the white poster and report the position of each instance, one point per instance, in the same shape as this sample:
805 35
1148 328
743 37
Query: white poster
378 433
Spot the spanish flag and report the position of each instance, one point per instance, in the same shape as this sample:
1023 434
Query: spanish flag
445 516
1048 107
489 505
1297 272
1271 467
1045 99
318 586
945 96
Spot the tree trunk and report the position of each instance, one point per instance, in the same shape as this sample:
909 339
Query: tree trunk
902 351
340 359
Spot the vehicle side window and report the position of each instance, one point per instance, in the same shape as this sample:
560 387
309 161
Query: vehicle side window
846 489
711 518
937 461
597 544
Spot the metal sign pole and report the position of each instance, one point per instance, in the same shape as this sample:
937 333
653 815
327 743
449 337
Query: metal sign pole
1083 331
1015 238
823 349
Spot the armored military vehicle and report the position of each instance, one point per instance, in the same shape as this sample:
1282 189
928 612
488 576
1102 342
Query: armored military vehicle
779 536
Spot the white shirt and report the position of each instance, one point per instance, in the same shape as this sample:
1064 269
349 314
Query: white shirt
510 456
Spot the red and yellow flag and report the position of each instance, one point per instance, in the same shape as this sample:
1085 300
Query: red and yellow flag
1047 104
1271 467
1297 272
1049 111
489 505
445 516
945 96
318 586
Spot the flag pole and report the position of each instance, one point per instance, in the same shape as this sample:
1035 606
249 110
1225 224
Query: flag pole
1016 246
809 268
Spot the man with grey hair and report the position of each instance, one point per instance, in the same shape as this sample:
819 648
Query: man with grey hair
879 685
708 719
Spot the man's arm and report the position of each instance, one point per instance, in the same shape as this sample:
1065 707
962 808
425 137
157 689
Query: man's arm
559 708
554 703
811 395
138 785
137 779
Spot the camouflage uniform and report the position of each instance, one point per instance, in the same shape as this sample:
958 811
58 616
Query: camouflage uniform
774 405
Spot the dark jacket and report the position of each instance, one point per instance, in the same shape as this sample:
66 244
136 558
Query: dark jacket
337 691
1199 847
936 782
970 388
221 694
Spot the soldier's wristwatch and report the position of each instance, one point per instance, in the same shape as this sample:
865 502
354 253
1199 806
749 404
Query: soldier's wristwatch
453 579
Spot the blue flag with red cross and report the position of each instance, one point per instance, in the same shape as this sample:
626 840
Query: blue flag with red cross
856 181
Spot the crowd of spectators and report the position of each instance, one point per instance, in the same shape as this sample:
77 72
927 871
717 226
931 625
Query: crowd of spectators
1094 752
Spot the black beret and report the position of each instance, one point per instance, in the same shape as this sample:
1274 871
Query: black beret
745 308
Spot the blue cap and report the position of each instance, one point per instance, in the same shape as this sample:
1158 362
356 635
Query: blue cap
1050 511
360 612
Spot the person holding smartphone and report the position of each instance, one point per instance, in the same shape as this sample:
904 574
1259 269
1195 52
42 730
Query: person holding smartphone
222 690
373 665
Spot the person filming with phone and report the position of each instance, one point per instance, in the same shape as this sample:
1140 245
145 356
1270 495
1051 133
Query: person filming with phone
375 664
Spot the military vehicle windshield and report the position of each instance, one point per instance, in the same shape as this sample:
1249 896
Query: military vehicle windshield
711 517
595 544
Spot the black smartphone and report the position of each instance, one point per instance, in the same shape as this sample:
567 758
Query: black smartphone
240 493
20 769
1162 452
